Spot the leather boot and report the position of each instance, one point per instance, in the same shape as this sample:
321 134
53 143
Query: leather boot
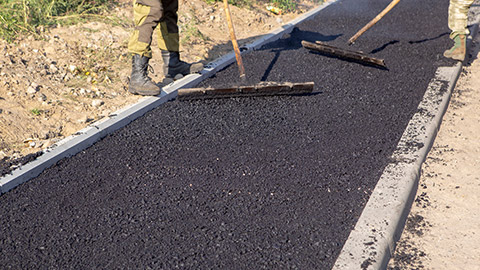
140 83
457 52
172 65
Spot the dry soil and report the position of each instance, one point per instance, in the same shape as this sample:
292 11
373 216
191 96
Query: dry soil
443 229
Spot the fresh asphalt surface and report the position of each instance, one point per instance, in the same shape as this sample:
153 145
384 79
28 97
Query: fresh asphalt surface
271 182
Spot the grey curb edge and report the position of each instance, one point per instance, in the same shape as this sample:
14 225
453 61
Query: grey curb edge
371 243
93 133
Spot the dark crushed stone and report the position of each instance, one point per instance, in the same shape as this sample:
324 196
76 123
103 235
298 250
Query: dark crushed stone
407 255
7 165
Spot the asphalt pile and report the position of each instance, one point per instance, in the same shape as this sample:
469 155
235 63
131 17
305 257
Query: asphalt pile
270 182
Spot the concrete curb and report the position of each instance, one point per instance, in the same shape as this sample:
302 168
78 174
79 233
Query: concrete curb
88 136
372 242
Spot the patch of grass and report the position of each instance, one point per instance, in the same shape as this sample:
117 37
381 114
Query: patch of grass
190 31
25 16
90 30
70 97
239 3
285 5
36 112
98 63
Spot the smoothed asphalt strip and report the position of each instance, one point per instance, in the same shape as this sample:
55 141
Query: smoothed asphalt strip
245 183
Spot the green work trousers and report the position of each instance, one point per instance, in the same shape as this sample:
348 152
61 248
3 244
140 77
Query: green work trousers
148 14
458 17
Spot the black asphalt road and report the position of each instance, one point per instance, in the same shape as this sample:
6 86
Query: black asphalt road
272 182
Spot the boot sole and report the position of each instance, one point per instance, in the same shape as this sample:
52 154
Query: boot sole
139 92
454 57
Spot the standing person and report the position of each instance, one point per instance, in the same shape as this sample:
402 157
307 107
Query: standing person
148 14
457 22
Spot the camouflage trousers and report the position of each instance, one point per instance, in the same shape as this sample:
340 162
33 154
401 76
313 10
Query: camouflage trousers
148 14
458 17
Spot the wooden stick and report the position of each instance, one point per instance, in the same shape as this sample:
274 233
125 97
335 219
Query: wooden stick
238 55
372 22
344 54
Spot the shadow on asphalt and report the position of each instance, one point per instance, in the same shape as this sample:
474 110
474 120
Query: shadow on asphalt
428 39
381 48
291 42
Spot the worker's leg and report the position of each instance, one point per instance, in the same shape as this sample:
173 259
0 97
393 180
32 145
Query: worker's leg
147 15
457 22
168 42
458 17
168 38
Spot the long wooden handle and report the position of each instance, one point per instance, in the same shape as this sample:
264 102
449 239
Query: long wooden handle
372 22
238 56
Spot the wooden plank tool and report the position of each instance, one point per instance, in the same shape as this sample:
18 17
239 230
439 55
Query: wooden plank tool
344 54
262 89
359 57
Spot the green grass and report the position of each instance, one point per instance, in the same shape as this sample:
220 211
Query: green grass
285 5
240 3
190 31
36 112
25 16
97 65
30 16
192 34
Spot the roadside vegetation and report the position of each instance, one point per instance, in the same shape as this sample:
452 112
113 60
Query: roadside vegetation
284 5
31 17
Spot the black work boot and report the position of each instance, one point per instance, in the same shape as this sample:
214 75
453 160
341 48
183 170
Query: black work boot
140 83
172 66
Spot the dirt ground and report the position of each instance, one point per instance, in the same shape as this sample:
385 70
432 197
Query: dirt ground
443 229
76 75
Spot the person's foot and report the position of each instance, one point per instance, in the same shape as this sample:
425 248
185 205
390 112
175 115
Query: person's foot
173 66
458 50
140 83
